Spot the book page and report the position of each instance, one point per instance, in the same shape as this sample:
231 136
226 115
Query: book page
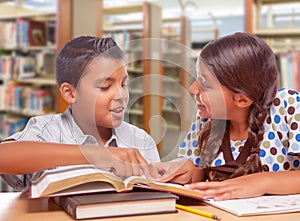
142 182
65 177
260 205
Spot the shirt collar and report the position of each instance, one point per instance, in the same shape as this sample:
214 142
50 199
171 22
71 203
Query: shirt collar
82 138
76 132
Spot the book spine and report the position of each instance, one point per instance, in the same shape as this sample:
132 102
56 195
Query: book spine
68 204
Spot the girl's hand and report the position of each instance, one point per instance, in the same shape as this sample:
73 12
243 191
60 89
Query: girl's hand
241 187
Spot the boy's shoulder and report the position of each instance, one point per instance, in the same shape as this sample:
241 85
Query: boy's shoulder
45 119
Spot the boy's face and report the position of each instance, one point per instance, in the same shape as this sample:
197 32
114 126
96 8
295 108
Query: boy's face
102 94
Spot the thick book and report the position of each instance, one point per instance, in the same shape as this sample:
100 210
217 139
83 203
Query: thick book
102 205
70 180
269 204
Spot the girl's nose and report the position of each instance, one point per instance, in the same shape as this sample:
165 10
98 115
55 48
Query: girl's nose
195 88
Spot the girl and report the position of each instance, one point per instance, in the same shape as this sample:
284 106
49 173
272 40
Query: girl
244 124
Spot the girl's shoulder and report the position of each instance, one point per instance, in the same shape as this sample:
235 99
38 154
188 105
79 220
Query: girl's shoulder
286 98
287 94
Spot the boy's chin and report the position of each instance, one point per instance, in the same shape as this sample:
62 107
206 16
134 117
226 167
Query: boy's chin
116 123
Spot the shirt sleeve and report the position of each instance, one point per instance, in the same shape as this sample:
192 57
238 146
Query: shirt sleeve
31 132
292 103
189 146
130 136
151 153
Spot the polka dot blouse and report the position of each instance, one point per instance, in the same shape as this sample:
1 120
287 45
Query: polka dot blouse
280 148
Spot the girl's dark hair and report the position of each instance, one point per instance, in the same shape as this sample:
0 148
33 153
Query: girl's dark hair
244 64
78 53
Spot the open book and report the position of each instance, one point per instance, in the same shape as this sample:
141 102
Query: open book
70 180
272 204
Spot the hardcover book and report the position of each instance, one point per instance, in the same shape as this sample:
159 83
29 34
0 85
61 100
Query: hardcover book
70 180
102 205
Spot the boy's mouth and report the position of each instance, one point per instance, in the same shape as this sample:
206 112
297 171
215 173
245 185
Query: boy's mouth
117 110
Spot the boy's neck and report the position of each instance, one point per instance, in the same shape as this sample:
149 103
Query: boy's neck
104 134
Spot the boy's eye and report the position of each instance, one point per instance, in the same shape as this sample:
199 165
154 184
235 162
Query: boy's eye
124 84
104 88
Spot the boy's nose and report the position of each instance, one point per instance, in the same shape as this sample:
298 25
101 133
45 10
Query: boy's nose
121 94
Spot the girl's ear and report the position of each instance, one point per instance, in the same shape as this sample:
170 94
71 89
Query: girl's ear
67 92
242 101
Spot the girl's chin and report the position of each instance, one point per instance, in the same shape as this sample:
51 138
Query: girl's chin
203 114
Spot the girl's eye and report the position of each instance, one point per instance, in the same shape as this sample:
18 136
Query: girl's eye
202 83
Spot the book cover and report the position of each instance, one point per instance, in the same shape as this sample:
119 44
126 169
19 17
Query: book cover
102 205
70 180
37 33
271 204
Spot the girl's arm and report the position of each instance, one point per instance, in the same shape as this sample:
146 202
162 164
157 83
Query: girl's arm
180 171
21 157
258 184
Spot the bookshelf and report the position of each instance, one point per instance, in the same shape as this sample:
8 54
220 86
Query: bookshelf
70 23
27 78
282 38
178 70
139 39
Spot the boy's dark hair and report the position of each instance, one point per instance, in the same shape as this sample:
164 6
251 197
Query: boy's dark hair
244 64
78 53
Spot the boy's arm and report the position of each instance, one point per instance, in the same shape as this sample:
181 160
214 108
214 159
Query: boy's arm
22 157
257 184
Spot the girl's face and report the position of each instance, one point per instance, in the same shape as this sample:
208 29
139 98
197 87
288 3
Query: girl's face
103 93
213 99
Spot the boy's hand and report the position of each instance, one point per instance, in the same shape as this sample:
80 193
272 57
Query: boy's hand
176 171
129 155
133 162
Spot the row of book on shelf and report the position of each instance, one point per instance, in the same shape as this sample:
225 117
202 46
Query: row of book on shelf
22 100
31 100
25 33
289 69
27 66
10 125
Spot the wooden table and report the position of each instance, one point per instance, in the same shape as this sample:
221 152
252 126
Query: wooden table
16 206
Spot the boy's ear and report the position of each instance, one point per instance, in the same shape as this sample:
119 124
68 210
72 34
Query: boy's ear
242 100
67 91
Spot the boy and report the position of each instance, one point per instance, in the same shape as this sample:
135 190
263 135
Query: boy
92 78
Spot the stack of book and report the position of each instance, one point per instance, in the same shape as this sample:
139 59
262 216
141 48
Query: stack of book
86 192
